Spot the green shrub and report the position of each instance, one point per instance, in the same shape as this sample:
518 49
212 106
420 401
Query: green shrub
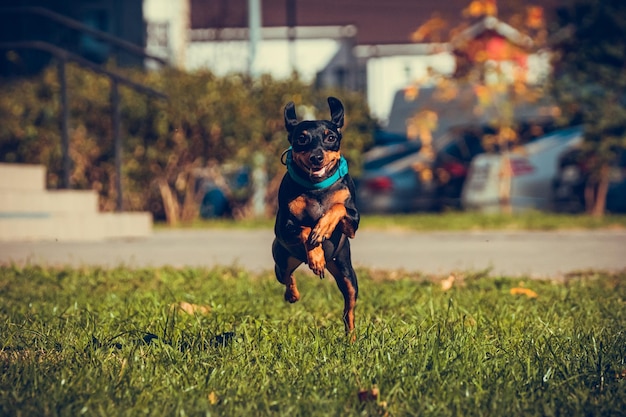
206 118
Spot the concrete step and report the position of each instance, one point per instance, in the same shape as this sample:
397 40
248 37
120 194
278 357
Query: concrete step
30 212
76 226
22 177
19 203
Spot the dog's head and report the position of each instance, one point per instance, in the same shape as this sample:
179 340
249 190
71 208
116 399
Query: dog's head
315 143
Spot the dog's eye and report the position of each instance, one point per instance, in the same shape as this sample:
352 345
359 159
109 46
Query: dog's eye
331 138
303 139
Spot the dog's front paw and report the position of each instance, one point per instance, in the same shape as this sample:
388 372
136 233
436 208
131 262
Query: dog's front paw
322 230
318 269
316 261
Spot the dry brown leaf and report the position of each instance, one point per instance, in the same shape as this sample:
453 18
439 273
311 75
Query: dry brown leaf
447 283
192 309
213 398
524 291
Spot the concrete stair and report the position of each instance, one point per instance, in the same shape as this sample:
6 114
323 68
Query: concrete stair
30 212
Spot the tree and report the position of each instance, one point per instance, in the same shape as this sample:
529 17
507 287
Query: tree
589 83
493 82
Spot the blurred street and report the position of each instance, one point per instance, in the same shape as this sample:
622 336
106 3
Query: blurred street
537 254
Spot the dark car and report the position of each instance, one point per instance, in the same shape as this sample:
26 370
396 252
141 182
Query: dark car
391 180
572 176
452 163
222 190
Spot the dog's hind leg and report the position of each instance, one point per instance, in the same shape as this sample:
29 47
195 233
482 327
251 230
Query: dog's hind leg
284 266
341 268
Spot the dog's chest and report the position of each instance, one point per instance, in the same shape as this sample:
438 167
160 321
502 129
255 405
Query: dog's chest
309 207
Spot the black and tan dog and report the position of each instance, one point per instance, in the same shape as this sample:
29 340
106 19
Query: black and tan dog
316 207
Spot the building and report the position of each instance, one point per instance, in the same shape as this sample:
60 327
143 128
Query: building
367 45
61 23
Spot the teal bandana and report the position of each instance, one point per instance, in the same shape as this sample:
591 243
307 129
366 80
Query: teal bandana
307 183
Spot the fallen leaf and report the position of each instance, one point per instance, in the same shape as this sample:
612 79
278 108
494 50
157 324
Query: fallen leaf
447 283
523 291
192 309
213 398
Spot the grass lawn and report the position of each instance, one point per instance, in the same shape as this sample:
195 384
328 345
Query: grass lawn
222 342
450 221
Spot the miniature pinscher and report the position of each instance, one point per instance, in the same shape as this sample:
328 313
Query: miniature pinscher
316 207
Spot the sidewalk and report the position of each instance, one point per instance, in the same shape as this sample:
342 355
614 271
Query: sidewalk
536 254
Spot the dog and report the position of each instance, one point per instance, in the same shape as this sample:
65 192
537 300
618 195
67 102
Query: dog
316 207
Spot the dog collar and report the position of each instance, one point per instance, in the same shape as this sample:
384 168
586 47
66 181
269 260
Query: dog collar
341 172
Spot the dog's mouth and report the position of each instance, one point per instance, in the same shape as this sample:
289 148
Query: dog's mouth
318 172
315 172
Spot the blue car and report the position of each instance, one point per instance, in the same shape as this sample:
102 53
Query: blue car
396 178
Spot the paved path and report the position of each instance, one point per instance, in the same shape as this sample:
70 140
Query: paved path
538 254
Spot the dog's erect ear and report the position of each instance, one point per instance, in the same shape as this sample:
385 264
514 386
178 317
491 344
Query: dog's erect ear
291 120
336 111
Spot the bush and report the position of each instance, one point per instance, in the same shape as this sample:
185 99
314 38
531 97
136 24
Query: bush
166 143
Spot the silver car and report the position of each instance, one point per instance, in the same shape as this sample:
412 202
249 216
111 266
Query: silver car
530 169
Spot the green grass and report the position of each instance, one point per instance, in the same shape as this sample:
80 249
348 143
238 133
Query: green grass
453 221
449 221
108 342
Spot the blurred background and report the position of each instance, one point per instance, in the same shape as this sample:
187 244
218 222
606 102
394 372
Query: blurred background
174 107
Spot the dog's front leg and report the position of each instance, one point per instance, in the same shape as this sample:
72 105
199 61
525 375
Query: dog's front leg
327 224
314 253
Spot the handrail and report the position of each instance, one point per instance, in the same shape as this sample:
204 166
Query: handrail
64 56
69 56
75 24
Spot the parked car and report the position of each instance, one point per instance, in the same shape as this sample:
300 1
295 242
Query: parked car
532 168
222 190
571 179
396 180
452 161
392 180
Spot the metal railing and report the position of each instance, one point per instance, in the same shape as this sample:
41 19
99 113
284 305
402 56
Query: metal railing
63 56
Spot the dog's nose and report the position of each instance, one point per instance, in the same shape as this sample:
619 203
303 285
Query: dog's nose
316 159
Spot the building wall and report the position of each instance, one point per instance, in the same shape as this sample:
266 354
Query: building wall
273 57
386 75
120 18
167 24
